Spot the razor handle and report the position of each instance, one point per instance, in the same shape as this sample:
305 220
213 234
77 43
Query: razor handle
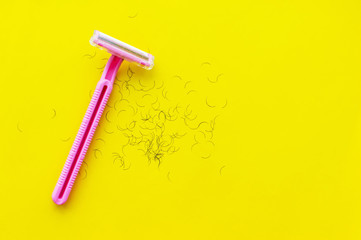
86 131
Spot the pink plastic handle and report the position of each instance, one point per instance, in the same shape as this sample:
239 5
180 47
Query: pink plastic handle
86 131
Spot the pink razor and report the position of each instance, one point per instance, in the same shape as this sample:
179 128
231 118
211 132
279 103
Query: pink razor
119 51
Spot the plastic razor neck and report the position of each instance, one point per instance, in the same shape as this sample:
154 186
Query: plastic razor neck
111 69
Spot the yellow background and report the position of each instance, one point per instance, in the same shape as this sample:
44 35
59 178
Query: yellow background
286 160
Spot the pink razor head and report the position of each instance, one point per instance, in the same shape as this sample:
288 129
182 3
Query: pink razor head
122 50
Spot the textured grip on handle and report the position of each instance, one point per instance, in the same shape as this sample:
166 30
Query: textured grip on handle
86 132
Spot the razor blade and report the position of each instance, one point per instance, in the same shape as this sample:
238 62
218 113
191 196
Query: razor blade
122 50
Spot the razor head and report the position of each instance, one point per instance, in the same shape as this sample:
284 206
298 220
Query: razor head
122 50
